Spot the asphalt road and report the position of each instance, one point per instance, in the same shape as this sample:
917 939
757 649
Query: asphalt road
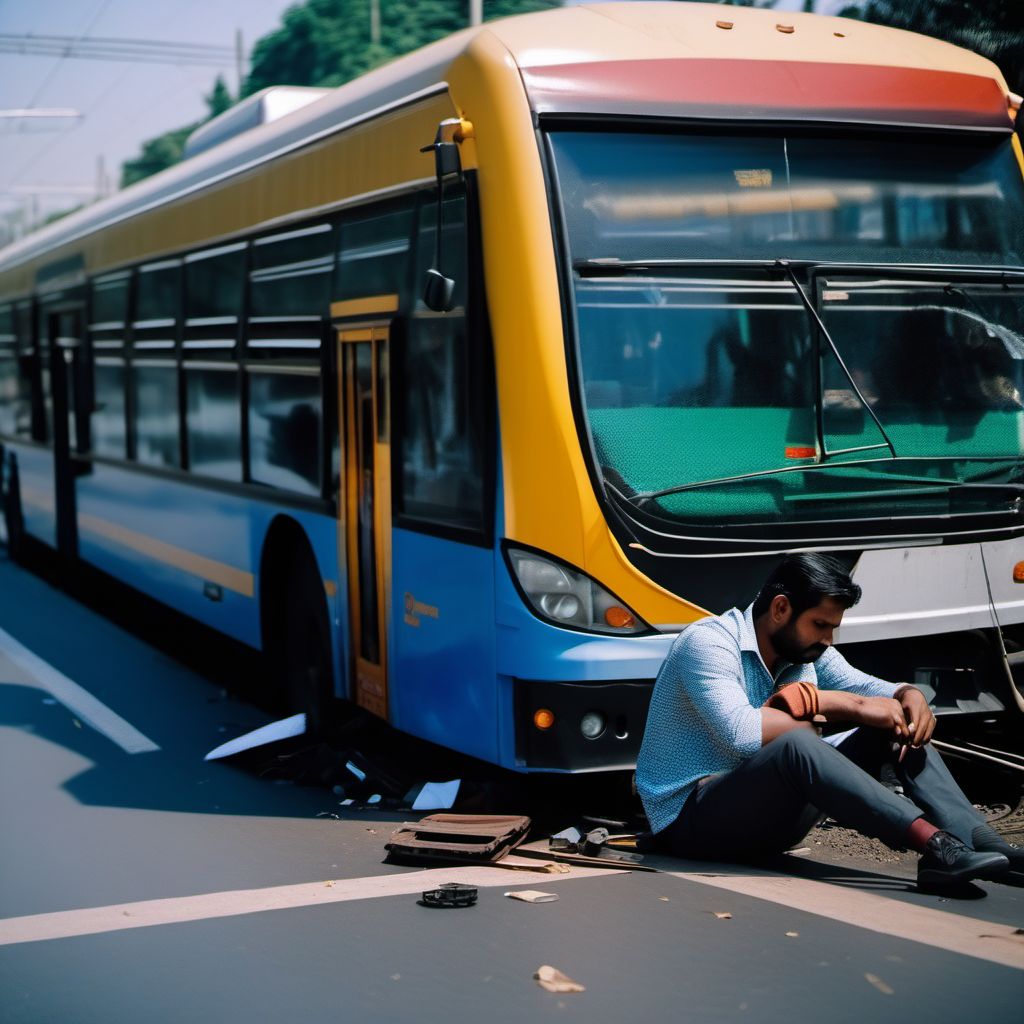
138 882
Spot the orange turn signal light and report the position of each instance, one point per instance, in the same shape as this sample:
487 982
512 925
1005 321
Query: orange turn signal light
619 617
1018 573
543 719
800 451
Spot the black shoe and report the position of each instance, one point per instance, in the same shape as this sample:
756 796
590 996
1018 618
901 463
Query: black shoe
947 861
987 839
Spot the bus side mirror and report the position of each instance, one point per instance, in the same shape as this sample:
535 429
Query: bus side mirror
437 288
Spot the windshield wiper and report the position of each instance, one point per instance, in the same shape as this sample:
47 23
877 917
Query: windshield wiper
953 484
819 406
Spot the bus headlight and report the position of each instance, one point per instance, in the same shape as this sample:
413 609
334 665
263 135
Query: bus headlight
568 597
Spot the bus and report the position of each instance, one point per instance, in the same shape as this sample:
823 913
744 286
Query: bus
461 389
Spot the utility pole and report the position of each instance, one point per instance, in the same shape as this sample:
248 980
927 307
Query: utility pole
375 22
476 12
239 61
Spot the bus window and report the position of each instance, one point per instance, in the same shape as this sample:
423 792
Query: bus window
108 313
28 417
289 291
214 285
373 257
154 364
439 394
8 370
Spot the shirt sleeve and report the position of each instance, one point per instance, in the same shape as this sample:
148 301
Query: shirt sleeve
711 673
836 673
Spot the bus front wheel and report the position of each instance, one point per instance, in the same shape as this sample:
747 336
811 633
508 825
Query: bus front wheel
306 647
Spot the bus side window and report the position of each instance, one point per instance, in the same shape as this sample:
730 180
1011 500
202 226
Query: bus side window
28 417
108 315
214 291
289 279
154 369
8 371
374 260
440 392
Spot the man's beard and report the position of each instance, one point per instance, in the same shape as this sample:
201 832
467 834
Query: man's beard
786 647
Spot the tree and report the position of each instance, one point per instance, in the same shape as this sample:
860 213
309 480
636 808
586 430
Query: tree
993 28
165 150
327 42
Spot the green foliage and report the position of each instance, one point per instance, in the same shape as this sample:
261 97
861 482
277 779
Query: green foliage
157 154
328 43
219 98
165 150
993 28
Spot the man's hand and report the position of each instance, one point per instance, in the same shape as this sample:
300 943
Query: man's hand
917 714
884 713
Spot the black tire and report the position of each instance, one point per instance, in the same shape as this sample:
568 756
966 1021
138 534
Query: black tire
306 645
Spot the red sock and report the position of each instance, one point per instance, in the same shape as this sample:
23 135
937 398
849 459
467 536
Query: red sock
918 833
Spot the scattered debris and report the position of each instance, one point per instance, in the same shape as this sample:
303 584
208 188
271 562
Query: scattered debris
458 838
722 915
49 701
396 977
78 724
532 896
451 894
436 796
800 851
883 987
328 885
664 899
553 980
792 935
286 728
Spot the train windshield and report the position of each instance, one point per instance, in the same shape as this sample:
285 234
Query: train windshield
786 329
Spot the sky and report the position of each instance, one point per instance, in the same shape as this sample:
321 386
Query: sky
121 103
53 165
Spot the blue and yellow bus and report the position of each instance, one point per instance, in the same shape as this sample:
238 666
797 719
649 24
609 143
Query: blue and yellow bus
463 388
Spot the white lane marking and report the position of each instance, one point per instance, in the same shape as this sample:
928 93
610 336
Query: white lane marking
78 701
969 936
94 920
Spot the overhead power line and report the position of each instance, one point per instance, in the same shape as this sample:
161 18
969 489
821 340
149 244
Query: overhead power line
150 51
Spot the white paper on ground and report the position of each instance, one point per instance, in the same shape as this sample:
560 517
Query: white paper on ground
285 729
532 896
436 796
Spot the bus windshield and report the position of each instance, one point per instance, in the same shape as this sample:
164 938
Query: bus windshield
711 391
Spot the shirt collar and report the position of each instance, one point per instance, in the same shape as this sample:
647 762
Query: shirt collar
747 635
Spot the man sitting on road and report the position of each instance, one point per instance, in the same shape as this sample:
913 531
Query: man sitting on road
732 766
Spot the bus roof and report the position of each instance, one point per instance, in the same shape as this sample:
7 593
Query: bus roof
675 59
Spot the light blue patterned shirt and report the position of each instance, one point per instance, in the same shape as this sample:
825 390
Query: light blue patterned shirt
705 714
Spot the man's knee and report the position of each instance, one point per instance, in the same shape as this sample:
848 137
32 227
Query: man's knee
797 740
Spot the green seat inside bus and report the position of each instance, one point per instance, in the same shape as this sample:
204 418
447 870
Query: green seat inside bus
653 448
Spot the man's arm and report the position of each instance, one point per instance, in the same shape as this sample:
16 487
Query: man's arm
775 722
848 695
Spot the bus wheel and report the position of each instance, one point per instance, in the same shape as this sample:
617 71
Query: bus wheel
308 675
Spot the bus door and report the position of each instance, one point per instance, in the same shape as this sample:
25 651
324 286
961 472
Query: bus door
365 501
71 407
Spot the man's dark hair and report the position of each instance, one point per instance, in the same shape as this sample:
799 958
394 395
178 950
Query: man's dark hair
806 580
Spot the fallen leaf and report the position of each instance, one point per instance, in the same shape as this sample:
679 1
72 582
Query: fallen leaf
792 935
328 885
553 980
664 899
882 987
723 915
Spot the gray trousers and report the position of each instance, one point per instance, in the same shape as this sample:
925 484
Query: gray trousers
774 798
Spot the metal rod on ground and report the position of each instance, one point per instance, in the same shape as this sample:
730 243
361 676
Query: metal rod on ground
1002 753
965 752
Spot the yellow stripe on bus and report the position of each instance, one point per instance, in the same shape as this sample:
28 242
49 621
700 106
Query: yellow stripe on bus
369 305
227 576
